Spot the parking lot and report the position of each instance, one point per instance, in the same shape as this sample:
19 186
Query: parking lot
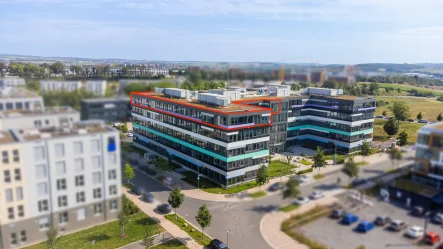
334 235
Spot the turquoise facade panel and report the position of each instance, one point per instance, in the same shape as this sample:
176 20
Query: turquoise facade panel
346 133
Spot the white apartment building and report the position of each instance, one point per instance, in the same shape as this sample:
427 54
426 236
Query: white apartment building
20 99
11 82
97 87
52 117
69 179
58 86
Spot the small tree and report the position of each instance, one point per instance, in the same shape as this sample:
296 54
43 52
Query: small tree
291 190
384 113
128 172
175 199
402 138
262 176
124 128
419 115
365 149
395 155
122 221
351 169
391 127
203 218
161 164
439 117
149 236
53 239
319 160
400 111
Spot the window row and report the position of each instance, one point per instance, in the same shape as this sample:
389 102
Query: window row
7 175
6 155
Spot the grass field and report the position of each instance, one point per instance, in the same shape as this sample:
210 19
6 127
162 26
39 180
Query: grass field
196 235
410 128
171 244
106 235
289 208
258 194
429 108
404 88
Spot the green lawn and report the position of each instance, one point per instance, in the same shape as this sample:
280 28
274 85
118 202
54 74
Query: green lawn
258 194
305 162
430 108
277 169
289 208
106 236
403 89
318 176
196 235
171 244
410 128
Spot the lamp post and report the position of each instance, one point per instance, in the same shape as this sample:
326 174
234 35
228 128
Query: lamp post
425 227
93 242
227 237
198 178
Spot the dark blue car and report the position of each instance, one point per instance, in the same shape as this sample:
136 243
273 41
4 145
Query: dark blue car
348 219
365 226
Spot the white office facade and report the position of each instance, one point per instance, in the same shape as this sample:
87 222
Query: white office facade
58 86
97 87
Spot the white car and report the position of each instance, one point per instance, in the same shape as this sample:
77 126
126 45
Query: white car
129 135
301 200
317 195
415 232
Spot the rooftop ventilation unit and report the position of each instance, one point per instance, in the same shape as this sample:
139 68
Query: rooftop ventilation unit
323 91
177 93
214 99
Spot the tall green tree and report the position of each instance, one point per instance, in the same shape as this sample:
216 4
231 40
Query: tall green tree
400 111
391 127
122 222
351 169
365 149
439 117
373 88
175 199
57 67
402 138
203 218
128 172
419 115
319 160
149 236
262 176
125 128
52 238
291 190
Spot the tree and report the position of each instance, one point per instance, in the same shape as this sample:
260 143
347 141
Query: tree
122 221
161 164
351 169
391 127
57 67
395 155
149 236
373 88
400 111
319 160
125 128
262 175
203 218
403 138
175 199
384 113
128 172
419 115
291 190
365 149
53 239
439 117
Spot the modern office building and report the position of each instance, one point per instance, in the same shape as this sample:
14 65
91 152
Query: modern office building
11 81
52 117
425 185
228 134
108 109
58 86
66 178
97 87
20 99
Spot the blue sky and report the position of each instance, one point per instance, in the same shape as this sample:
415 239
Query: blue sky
323 31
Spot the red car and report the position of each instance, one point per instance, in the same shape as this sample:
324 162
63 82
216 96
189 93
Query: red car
432 238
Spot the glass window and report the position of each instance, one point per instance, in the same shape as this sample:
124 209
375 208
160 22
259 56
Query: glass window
19 193
13 239
63 201
60 168
42 189
97 193
61 184
11 213
80 197
23 237
112 190
7 176
112 159
59 150
79 167
44 223
5 157
113 205
95 145
16 156
39 153
41 171
79 181
98 209
18 175
9 195
20 211
81 214
96 178
63 217
112 174
96 162
78 148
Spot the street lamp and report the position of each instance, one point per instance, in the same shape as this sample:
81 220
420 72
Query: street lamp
425 227
93 242
227 237
198 176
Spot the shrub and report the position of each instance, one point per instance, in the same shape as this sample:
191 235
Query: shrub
129 207
305 171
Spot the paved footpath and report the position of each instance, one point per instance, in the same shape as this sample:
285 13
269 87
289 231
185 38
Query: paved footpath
166 224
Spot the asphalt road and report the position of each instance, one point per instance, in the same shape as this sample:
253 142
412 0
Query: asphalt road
242 219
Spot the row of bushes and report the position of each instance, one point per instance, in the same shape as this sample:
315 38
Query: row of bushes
129 208
305 171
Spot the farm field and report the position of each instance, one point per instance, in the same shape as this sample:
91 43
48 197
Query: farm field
430 108
404 88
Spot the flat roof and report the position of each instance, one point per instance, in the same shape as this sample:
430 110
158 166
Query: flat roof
78 129
6 137
105 100
25 113
17 92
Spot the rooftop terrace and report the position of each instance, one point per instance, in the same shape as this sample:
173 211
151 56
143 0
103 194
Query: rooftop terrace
17 93
6 137
26 113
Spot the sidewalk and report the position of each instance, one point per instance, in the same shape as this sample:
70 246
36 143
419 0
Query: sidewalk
166 224
159 239
270 224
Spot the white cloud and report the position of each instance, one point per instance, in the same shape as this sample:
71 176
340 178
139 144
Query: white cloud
422 32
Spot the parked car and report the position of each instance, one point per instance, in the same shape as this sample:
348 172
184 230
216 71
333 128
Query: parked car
168 180
422 121
418 211
301 200
397 225
441 246
338 213
359 181
164 208
415 232
380 117
129 134
217 244
148 197
411 120
304 178
432 238
276 186
437 218
348 219
317 195
136 190
382 220
365 226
